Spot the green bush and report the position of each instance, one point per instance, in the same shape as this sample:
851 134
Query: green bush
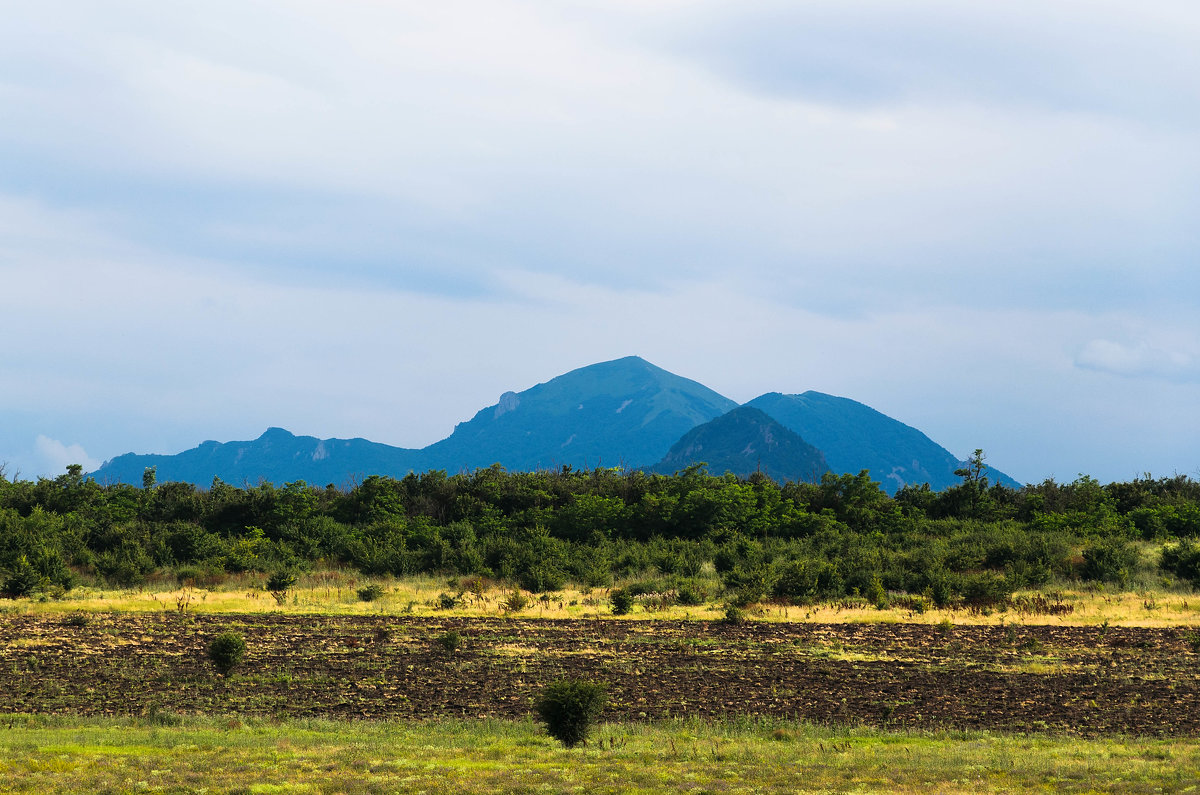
1183 560
1109 559
226 651
22 581
876 594
569 707
985 589
734 615
446 601
369 593
450 641
516 601
622 602
281 581
688 595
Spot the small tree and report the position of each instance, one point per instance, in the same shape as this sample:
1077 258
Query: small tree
279 583
450 641
622 602
569 707
226 651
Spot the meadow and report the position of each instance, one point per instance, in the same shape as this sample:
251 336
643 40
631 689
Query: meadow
750 636
176 754
110 690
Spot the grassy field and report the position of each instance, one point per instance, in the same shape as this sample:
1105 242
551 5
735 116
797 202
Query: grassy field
1101 662
335 592
168 753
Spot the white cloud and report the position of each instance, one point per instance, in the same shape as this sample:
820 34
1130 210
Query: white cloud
354 218
1138 360
54 456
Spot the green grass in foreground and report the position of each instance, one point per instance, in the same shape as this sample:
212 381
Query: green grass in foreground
191 754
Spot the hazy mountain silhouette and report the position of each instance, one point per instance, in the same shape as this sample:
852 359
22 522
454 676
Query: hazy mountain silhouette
624 413
854 437
743 441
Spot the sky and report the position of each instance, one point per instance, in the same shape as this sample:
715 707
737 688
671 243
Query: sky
356 218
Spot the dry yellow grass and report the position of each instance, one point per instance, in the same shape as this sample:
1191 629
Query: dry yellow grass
334 592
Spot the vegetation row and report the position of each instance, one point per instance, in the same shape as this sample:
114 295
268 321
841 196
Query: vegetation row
839 537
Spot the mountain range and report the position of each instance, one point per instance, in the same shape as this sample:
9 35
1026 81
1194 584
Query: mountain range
625 413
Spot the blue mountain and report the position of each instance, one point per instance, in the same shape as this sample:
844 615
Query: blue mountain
625 413
277 456
743 441
854 437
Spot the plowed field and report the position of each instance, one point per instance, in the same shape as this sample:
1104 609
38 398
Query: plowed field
1084 681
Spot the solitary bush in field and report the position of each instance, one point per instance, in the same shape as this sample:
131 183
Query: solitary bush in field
622 602
516 601
569 707
279 583
226 651
734 615
369 593
450 641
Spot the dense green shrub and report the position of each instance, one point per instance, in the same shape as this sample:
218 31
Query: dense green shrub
279 583
622 602
226 651
450 641
516 601
1183 560
689 595
984 589
569 707
21 581
876 594
1110 560
734 615
371 592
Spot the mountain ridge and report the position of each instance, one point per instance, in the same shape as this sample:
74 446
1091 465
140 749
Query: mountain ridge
853 436
625 412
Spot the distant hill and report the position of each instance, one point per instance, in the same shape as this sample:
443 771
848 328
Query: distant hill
743 441
855 437
276 456
625 412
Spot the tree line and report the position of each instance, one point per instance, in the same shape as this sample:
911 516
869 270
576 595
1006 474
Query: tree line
843 536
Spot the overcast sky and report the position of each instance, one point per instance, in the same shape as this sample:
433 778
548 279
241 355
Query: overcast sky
353 218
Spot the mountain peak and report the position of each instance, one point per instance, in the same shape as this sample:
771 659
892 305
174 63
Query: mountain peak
625 412
855 436
742 441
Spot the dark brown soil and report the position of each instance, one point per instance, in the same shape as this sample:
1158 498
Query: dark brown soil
1073 680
